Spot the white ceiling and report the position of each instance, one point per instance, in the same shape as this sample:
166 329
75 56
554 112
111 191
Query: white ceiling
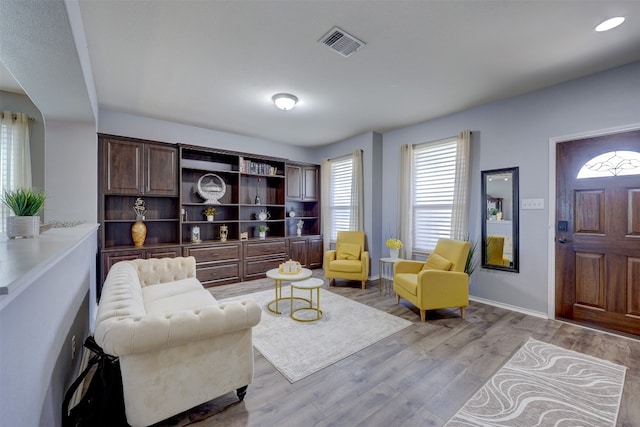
216 64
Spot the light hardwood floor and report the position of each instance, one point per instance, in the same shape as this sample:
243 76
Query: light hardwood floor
419 376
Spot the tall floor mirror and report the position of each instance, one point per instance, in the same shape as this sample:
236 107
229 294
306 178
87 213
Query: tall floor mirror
500 207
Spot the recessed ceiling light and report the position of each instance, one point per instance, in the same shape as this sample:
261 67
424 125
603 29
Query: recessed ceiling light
284 101
610 23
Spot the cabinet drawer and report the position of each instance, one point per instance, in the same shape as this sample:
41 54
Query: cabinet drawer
258 267
259 249
214 252
164 252
214 273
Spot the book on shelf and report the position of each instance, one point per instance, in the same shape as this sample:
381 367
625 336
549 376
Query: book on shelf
247 166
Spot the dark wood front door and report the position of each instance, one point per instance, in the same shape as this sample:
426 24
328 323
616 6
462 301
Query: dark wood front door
597 249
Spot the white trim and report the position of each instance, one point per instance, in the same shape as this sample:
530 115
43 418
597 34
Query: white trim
553 141
539 314
603 331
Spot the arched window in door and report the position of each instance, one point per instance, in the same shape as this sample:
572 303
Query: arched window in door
613 163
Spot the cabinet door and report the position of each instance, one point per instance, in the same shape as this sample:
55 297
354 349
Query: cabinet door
122 172
294 182
315 252
161 170
298 250
310 183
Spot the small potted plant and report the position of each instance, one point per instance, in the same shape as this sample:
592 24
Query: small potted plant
25 204
394 246
492 213
262 231
210 213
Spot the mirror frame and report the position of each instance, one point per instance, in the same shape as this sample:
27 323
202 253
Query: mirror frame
515 267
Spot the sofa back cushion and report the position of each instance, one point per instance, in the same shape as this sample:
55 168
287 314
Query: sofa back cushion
153 271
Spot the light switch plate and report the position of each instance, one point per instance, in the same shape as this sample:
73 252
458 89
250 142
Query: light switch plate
532 204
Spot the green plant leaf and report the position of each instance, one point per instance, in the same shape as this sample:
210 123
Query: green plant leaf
24 201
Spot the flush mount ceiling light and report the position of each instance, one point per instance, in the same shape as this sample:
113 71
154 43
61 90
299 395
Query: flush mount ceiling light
284 101
610 24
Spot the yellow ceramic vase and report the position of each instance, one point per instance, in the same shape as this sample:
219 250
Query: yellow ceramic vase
138 233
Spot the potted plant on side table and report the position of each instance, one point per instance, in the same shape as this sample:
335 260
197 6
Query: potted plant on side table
25 203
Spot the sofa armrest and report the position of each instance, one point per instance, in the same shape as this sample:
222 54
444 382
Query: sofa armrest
407 266
139 334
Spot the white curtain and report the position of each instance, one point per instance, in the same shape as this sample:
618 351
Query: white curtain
15 156
405 212
356 217
461 193
325 202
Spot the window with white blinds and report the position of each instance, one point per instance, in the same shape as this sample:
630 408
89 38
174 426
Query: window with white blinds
434 172
340 206
15 160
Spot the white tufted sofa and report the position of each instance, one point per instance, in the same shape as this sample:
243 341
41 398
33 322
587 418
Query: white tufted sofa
177 346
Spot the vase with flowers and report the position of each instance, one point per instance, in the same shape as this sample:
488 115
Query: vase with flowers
139 229
394 246
210 213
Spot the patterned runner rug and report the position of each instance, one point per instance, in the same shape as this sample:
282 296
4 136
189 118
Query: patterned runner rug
545 385
299 349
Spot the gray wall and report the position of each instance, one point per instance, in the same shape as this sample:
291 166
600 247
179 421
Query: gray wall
116 123
516 132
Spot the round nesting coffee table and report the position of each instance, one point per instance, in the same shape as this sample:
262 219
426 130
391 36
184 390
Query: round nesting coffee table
278 278
310 284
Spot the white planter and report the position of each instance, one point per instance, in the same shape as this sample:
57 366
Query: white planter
23 226
262 234
210 218
393 253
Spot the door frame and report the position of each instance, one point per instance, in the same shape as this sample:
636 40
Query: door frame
551 244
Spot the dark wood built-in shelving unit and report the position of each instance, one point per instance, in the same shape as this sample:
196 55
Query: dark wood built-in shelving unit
166 177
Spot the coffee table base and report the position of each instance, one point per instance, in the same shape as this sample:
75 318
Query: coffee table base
309 284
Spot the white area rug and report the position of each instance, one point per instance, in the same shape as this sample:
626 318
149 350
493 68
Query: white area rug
545 385
299 349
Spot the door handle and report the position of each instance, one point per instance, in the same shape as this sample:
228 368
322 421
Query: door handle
562 240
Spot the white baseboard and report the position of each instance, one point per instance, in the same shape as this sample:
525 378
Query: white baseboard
539 314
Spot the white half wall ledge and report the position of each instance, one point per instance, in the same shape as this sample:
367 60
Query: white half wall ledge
25 260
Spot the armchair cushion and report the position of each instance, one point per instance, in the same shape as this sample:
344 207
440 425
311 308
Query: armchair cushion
346 265
349 251
407 282
437 262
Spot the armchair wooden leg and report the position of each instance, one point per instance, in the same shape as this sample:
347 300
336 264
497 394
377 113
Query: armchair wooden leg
462 312
423 316
364 284
397 299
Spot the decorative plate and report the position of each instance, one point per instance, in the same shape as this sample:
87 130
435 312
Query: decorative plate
211 188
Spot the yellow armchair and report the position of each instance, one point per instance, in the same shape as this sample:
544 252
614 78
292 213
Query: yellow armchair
348 260
440 282
495 250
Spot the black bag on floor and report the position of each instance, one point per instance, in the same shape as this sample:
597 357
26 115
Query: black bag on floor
103 402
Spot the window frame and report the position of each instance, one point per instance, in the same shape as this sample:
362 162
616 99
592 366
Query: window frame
432 212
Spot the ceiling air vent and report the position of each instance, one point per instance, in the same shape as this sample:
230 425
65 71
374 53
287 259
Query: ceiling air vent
342 42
